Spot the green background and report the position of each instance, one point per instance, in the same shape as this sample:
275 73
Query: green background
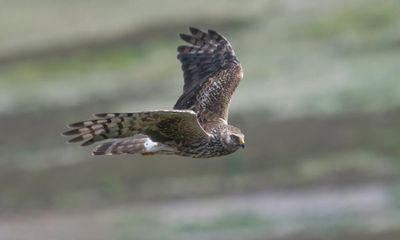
319 104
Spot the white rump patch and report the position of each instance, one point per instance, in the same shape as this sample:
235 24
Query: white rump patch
241 74
150 145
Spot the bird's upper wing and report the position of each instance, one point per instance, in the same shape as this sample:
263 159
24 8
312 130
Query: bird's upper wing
174 125
211 74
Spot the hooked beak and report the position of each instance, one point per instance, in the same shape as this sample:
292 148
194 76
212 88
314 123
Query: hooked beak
242 143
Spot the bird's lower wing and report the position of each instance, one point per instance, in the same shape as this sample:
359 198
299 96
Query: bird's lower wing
160 126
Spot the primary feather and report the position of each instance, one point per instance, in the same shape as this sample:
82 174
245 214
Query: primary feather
211 74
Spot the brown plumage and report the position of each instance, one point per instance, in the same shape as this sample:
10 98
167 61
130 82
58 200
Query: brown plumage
211 73
197 127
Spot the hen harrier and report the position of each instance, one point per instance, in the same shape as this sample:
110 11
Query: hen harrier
197 127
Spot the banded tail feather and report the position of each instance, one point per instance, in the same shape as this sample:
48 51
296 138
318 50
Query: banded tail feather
122 146
138 144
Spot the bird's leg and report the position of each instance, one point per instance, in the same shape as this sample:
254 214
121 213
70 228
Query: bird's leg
148 153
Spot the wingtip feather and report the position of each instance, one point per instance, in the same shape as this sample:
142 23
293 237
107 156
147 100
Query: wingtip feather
70 132
100 115
104 115
88 142
194 30
76 139
185 37
76 124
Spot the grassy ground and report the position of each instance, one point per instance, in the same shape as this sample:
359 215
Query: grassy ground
263 215
319 106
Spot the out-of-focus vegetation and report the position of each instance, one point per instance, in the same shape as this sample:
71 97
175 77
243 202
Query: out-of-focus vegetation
319 105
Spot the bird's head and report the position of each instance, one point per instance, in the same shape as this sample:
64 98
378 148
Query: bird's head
234 138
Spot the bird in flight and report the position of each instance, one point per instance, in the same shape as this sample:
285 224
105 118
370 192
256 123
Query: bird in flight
198 124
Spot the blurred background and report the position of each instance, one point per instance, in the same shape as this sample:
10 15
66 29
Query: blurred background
319 104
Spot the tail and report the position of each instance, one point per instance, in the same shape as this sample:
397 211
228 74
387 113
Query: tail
138 144
122 146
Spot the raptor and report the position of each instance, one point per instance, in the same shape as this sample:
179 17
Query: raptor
198 124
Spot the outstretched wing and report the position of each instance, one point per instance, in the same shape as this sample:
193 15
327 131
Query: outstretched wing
211 74
160 126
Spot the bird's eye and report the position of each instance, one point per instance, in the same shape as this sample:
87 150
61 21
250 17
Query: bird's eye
235 138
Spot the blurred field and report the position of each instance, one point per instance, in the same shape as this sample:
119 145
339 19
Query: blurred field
319 104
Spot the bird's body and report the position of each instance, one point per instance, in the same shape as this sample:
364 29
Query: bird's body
212 147
197 127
